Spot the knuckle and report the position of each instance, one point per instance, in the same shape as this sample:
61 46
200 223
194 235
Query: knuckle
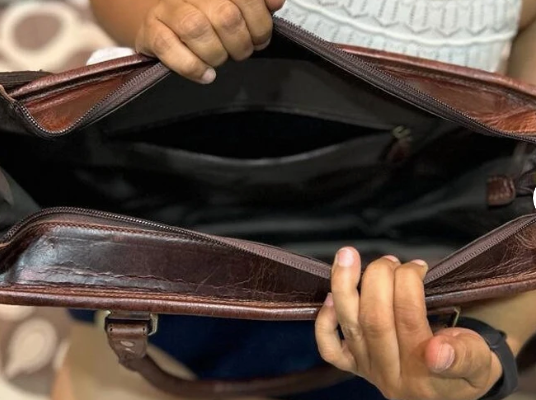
252 4
228 16
191 68
220 59
465 358
152 15
322 327
351 332
265 34
427 393
389 394
374 323
422 391
328 355
260 21
194 25
387 390
406 314
245 54
161 43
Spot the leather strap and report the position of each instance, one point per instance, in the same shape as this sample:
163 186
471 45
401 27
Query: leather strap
128 335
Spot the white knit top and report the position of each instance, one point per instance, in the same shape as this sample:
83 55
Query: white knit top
473 33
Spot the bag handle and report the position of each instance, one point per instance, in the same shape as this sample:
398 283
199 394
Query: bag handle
128 335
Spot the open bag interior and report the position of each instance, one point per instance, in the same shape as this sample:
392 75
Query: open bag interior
284 149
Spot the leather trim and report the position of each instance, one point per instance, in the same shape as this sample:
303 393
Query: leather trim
484 77
497 105
501 191
70 79
169 270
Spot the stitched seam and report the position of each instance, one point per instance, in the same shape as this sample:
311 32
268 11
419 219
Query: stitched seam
148 294
91 272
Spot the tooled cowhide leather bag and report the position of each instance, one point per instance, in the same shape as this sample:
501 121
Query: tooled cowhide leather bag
304 148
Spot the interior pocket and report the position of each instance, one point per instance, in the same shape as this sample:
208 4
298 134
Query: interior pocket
258 148
252 134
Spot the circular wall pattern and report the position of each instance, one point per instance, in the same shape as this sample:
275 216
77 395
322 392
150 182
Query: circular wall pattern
49 35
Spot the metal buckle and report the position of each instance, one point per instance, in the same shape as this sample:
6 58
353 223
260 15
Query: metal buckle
149 318
457 311
444 317
153 326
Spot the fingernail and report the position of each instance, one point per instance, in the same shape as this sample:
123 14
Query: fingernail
393 259
345 258
420 262
209 76
329 300
263 46
445 358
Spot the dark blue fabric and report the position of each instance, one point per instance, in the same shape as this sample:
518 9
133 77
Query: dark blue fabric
224 348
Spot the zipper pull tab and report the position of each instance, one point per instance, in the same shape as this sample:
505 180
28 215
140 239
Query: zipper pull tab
401 148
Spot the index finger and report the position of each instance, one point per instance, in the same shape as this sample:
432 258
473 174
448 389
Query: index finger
345 277
412 326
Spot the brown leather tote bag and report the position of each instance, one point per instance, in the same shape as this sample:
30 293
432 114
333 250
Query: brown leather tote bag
125 188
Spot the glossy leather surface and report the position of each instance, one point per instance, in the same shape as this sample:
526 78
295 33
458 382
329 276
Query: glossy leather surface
84 261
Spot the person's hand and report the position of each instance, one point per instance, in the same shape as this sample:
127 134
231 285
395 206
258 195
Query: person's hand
192 37
387 337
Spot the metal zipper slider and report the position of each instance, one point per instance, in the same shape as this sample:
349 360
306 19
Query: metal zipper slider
401 148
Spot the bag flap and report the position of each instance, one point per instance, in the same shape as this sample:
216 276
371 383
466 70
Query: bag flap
484 102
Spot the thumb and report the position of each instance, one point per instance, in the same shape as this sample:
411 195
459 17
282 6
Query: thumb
462 353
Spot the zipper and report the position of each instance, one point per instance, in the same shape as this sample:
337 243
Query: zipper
326 50
452 263
320 269
14 230
374 76
107 104
487 242
400 147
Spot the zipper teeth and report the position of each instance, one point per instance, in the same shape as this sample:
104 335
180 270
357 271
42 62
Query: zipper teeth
79 211
379 78
94 109
482 247
322 48
236 244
